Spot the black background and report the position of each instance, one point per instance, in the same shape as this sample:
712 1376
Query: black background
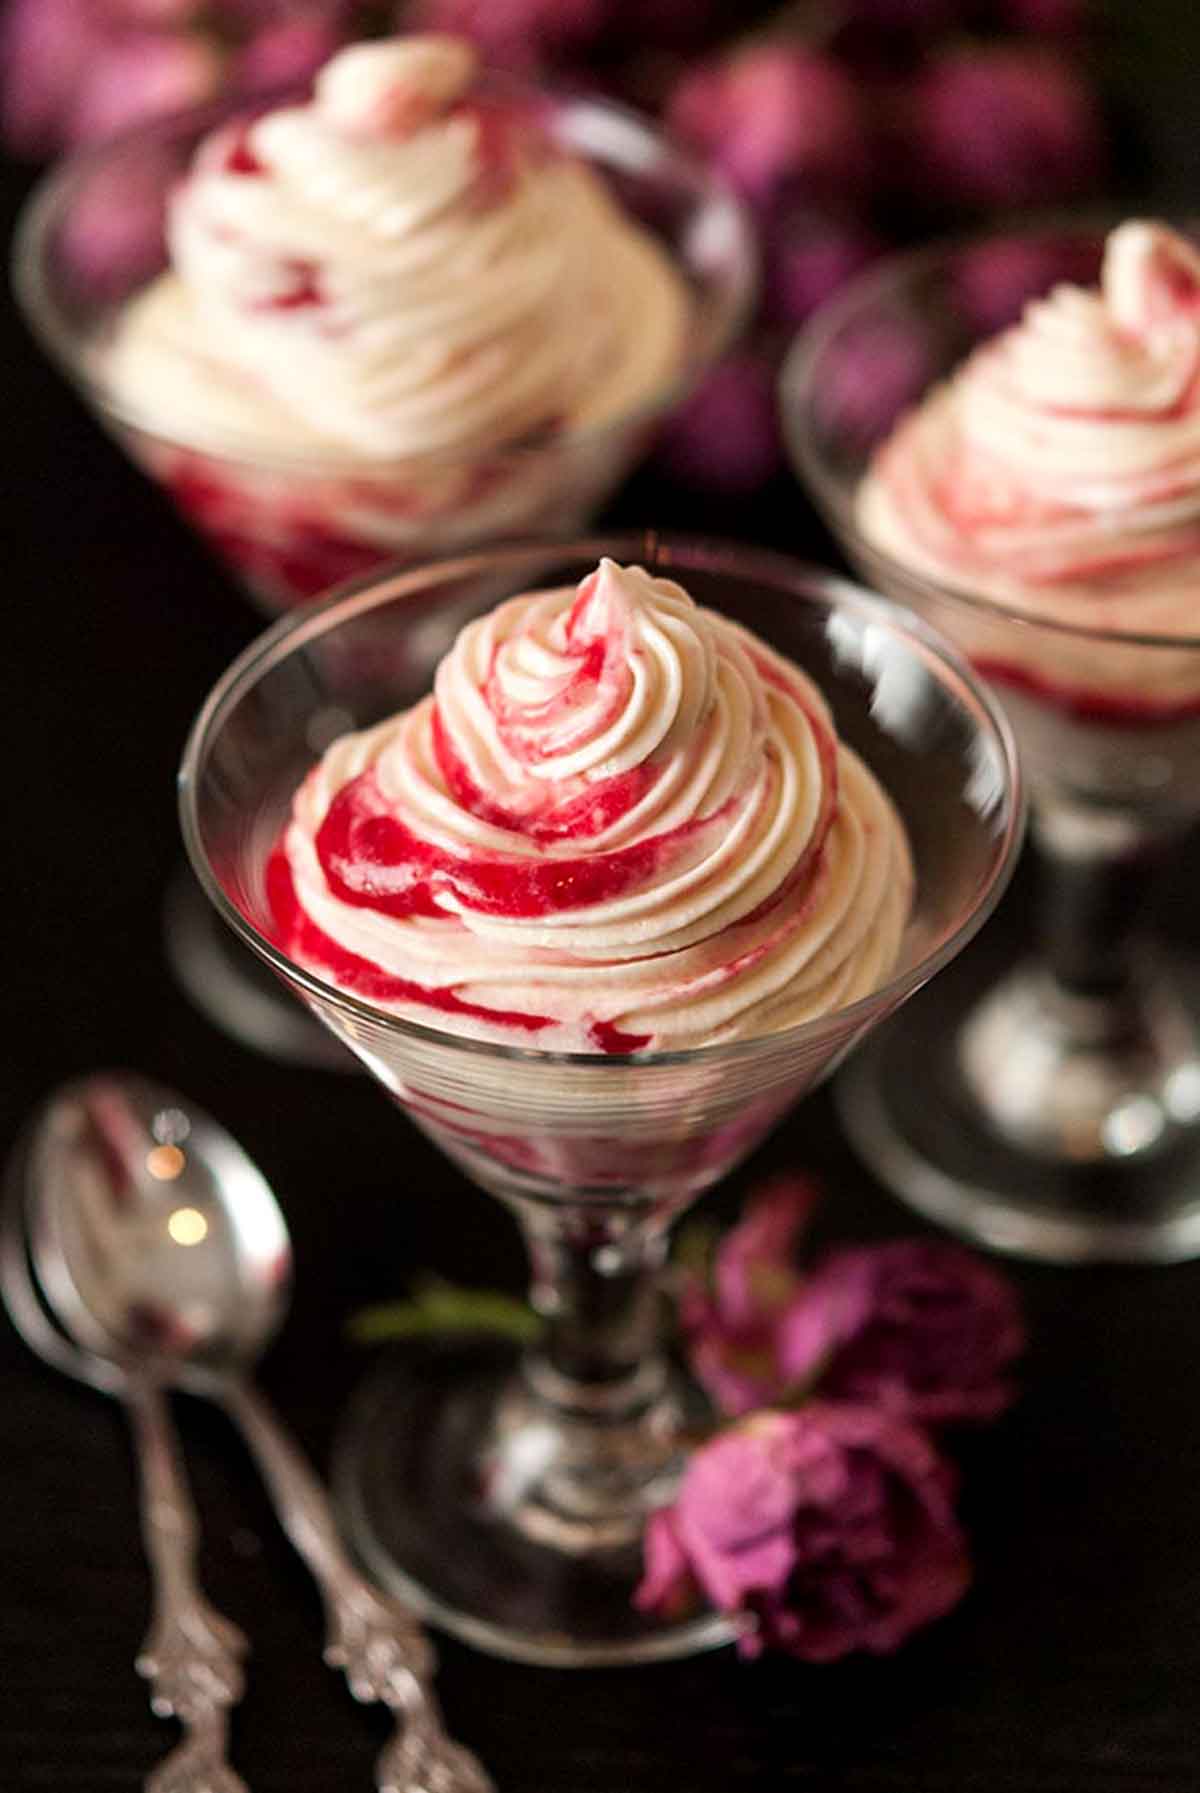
1074 1663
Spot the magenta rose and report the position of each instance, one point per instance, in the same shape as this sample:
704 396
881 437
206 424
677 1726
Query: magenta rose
822 1532
921 1327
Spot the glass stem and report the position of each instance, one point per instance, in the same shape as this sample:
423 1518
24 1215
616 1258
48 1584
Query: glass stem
595 1282
1096 907
589 1438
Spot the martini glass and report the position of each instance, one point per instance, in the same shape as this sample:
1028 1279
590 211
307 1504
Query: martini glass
1060 1114
290 526
507 1494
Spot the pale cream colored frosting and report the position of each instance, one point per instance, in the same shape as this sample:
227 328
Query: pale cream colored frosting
1058 471
708 862
395 269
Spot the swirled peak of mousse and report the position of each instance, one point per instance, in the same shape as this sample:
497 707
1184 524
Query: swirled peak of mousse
402 265
619 822
1060 467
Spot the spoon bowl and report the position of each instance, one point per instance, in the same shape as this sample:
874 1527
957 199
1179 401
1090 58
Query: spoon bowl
153 1236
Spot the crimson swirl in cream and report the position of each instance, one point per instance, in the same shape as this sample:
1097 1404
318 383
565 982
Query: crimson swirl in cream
403 266
1058 471
619 822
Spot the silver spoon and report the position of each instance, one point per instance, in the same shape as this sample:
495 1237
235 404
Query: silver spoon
157 1234
191 1654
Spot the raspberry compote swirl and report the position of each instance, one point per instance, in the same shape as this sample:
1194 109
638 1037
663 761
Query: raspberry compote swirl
619 823
1058 473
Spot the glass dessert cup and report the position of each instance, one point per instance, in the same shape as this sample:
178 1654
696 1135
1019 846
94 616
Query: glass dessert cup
1060 1113
292 526
507 1494
92 238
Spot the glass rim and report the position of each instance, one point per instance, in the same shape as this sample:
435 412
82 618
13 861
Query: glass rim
356 598
41 208
798 382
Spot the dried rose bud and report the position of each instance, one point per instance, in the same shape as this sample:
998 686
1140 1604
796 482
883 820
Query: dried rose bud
784 123
1004 126
140 77
824 1531
919 1326
807 259
725 437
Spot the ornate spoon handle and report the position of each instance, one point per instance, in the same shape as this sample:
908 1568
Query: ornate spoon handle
376 1640
191 1654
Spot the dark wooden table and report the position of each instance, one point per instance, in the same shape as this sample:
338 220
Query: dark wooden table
1072 1666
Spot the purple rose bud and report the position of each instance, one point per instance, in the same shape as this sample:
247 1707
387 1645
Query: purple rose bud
112 239
142 76
823 1531
872 373
921 1327
808 258
995 281
784 123
755 1272
287 53
730 1326
1004 126
45 45
725 437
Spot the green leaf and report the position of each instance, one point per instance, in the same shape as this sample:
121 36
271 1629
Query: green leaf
440 1307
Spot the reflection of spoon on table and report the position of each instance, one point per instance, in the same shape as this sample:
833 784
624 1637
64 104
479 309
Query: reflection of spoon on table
155 1231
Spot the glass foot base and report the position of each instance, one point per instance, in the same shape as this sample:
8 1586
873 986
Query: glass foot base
410 1485
235 990
911 1115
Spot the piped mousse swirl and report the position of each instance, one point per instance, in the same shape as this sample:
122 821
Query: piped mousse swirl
402 266
619 822
1058 471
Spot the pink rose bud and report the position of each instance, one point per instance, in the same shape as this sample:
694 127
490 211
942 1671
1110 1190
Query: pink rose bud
140 77
286 54
874 372
823 1531
1006 126
807 260
45 45
921 1327
784 123
725 437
